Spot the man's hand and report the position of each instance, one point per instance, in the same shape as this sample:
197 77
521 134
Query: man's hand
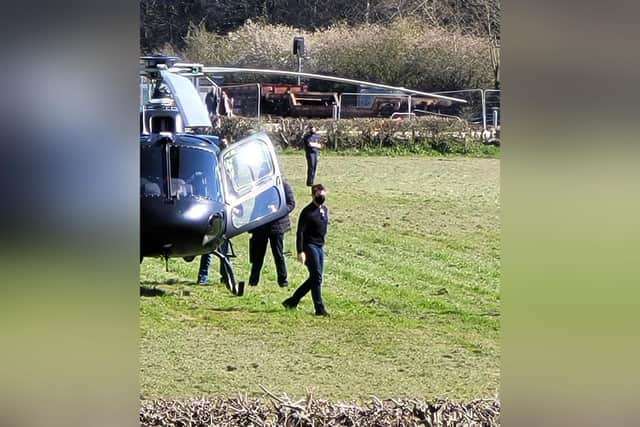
302 257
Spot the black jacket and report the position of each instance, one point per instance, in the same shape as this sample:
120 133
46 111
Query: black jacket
281 225
312 226
310 137
212 102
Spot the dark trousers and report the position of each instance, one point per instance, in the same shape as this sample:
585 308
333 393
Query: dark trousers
315 266
257 251
312 165
205 263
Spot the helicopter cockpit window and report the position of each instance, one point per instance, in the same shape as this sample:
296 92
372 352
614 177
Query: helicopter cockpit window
247 167
193 173
151 172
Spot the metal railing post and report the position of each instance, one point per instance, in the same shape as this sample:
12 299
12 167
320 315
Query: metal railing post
484 111
259 98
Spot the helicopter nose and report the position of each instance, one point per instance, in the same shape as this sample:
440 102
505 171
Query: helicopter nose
180 228
215 228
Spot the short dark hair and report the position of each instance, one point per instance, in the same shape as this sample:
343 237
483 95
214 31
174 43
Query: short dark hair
317 187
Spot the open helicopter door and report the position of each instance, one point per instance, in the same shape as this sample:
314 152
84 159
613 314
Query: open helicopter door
252 184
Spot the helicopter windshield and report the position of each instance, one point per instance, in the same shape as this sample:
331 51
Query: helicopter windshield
193 173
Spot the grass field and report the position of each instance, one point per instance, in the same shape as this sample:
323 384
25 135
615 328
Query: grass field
412 282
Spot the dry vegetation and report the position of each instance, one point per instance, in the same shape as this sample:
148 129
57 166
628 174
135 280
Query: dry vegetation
407 52
282 411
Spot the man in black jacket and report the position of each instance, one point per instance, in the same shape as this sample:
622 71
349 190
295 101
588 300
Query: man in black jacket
274 233
311 144
211 100
310 238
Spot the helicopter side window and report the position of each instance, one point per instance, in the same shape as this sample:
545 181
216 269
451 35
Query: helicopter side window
255 209
247 167
151 172
193 173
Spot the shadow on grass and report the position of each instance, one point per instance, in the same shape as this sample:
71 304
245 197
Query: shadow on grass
151 292
169 282
245 310
459 313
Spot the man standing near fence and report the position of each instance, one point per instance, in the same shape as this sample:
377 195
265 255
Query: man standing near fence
311 144
211 100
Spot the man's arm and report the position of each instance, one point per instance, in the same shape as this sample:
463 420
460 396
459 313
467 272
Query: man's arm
300 231
315 142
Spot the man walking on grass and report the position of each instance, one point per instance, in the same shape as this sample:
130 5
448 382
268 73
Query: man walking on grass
310 238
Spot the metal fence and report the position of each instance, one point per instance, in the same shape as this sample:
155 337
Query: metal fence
352 105
246 99
482 107
492 108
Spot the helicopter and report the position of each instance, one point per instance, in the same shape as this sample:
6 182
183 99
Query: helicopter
195 193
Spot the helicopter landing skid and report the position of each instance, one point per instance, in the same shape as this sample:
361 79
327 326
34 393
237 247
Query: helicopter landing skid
236 288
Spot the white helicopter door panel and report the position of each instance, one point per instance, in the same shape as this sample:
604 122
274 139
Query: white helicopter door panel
252 184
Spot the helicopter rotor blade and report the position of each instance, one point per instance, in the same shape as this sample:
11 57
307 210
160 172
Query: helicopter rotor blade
222 70
192 109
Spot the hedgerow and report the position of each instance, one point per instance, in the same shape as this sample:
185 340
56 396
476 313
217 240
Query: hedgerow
366 135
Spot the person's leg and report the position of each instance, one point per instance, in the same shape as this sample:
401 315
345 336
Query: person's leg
203 271
294 300
257 251
312 267
316 158
303 289
311 168
224 249
315 274
277 249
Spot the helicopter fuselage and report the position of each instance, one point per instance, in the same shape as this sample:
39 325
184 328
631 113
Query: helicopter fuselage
181 204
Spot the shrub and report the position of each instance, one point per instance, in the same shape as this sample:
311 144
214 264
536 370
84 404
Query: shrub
407 52
376 135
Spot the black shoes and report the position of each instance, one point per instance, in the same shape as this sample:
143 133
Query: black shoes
289 303
253 284
321 311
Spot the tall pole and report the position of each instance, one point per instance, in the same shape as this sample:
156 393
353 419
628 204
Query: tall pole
299 66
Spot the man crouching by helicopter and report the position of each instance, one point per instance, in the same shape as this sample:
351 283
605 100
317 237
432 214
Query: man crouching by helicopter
310 238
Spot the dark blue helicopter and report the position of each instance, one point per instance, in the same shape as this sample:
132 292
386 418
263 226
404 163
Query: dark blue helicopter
196 194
